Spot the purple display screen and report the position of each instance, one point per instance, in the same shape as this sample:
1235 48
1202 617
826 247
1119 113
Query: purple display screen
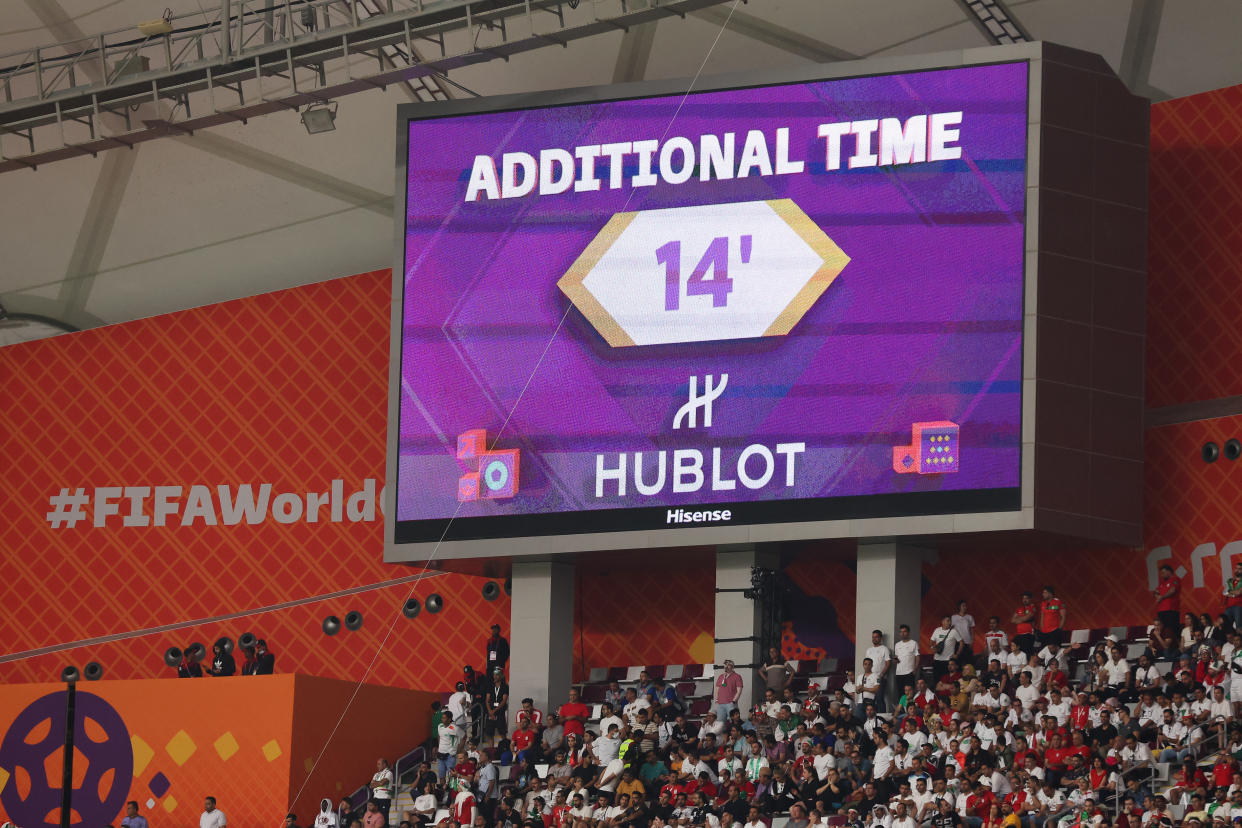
779 303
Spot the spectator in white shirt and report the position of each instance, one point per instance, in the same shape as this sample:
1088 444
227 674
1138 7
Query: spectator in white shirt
1026 693
946 642
964 623
1058 707
906 658
872 684
1015 660
881 661
1053 652
1219 708
1172 738
212 816
633 704
995 633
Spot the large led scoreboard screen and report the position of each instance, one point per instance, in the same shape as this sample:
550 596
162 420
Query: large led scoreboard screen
740 307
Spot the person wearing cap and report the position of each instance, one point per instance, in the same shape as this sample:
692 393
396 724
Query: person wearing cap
459 707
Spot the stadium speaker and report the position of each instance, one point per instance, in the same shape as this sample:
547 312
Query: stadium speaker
353 620
69 674
93 671
411 608
508 586
491 591
434 603
1233 449
1210 452
225 643
331 625
196 652
247 640
172 656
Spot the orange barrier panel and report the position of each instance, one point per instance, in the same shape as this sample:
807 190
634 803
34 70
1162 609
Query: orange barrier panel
168 743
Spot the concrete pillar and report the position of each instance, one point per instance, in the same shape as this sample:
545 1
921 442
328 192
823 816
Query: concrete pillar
889 593
541 634
738 617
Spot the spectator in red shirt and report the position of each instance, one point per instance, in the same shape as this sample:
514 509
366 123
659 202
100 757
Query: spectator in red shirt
1024 619
1051 618
1168 594
574 714
1056 759
1224 769
523 738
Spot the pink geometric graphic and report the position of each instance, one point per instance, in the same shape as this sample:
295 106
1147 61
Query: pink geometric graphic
493 475
934 449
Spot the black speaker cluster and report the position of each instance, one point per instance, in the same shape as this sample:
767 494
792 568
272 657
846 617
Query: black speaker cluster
353 622
93 671
197 651
1211 452
412 607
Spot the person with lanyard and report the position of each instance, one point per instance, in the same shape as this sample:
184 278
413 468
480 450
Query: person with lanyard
497 702
497 652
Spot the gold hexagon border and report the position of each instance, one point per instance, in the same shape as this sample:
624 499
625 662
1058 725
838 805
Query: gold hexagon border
834 258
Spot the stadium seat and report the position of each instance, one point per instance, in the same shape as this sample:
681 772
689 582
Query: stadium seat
834 683
617 673
691 671
686 689
1138 633
593 693
1118 632
631 673
700 706
673 672
1135 649
598 674
656 671
1080 636
1097 635
828 665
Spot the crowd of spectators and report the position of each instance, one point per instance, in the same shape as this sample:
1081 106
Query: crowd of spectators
966 728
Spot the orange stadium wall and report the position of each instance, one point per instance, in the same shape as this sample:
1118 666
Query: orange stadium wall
167 744
280 395
288 389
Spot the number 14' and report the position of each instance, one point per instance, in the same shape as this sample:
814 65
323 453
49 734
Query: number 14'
715 259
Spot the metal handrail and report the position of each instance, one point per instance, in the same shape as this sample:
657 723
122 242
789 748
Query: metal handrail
1201 749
